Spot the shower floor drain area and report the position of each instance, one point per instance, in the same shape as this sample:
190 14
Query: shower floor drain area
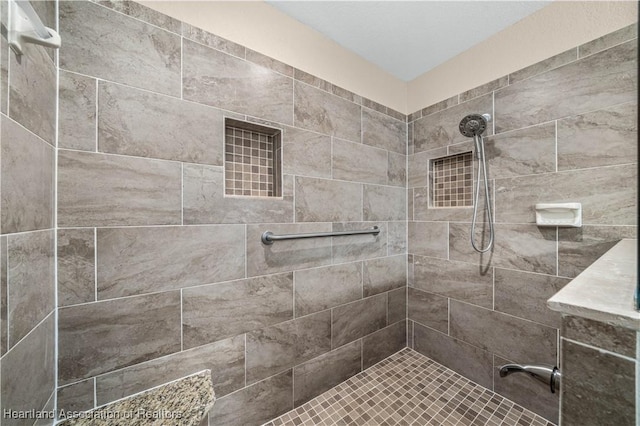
409 389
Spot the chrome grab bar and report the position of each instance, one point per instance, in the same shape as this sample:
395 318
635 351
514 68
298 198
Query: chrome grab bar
268 238
544 373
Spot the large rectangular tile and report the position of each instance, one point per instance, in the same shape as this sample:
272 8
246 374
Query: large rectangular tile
214 312
306 153
92 47
4 314
326 287
322 200
144 13
355 320
522 247
255 404
397 237
544 66
209 39
147 259
608 199
397 305
600 138
111 190
525 295
384 274
397 169
468 360
225 359
214 78
77 111
359 163
601 335
358 247
204 200
384 132
429 239
27 175
130 331
278 348
384 203
77 396
30 281
608 40
496 332
326 113
286 255
458 280
140 123
326 371
604 79
76 266
428 309
383 343
418 166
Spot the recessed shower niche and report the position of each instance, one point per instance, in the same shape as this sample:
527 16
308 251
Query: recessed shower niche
252 159
451 181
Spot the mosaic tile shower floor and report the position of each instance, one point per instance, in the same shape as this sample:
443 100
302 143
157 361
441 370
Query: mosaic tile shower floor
409 389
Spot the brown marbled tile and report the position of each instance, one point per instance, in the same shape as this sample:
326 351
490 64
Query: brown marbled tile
255 404
143 13
544 66
396 238
484 89
397 169
286 255
78 396
600 80
268 62
597 387
418 166
28 372
383 343
326 287
306 153
214 78
130 331
30 281
601 138
494 331
384 274
26 176
358 247
397 305
458 280
93 48
143 124
111 190
609 337
428 239
527 392
211 40
580 247
77 111
325 113
384 203
136 260
324 372
468 360
439 106
609 40
525 295
274 349
608 199
76 266
357 319
381 131
225 359
428 309
323 200
359 163
215 312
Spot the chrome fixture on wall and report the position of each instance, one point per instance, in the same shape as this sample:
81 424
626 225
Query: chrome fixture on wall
544 373
473 125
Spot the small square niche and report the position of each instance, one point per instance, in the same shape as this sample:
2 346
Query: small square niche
451 181
252 159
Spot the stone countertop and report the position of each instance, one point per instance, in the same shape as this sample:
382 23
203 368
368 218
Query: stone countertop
183 402
605 290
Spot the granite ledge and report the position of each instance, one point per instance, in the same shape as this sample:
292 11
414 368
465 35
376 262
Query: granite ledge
182 402
605 290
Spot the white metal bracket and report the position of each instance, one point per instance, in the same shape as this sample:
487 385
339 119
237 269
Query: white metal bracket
26 27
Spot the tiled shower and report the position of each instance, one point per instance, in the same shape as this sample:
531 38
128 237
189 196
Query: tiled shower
129 259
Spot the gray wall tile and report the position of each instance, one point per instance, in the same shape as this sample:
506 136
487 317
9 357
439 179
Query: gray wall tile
384 132
326 113
149 326
214 78
358 247
384 274
545 65
397 169
608 40
26 174
213 41
214 312
397 305
485 88
418 166
615 339
423 211
428 239
383 343
4 315
107 190
268 62
92 47
320 200
225 359
76 266
76 397
136 10
396 237
355 320
278 348
140 123
324 372
359 163
150 259
429 309
384 203
306 153
326 287
77 111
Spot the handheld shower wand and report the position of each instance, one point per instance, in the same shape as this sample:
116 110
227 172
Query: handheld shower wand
473 125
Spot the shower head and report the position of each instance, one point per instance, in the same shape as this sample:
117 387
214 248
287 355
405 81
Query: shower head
474 124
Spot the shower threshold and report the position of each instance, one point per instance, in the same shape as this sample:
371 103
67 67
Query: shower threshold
409 388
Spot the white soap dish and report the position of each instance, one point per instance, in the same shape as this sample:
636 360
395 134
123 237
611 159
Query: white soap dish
559 214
